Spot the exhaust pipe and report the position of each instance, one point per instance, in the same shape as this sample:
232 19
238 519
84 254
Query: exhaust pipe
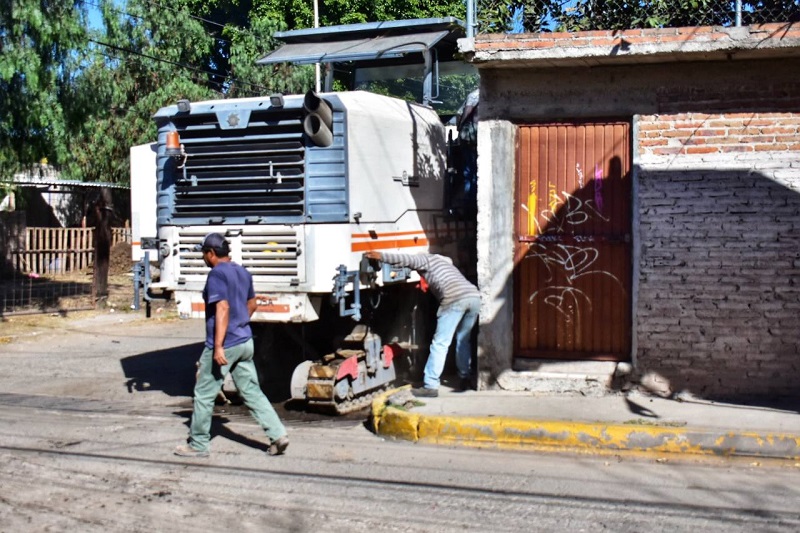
317 131
318 124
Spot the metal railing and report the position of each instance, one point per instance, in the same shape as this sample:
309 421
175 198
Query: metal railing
533 16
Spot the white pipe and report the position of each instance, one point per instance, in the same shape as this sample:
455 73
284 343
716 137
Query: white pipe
470 18
316 65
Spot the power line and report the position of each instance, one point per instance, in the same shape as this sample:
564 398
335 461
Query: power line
181 11
226 75
181 65
219 84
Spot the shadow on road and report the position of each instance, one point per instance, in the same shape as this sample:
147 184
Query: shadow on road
171 371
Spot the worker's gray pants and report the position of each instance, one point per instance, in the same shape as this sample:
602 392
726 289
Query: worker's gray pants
210 378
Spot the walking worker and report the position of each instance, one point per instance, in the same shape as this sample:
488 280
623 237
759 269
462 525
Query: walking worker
230 302
459 305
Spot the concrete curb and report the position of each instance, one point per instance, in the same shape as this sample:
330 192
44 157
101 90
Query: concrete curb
389 420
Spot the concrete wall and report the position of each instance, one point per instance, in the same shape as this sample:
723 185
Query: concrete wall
717 222
496 149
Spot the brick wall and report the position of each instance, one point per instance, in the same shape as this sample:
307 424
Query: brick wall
719 290
699 133
717 205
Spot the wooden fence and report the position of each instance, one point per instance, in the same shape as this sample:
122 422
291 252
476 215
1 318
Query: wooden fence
60 250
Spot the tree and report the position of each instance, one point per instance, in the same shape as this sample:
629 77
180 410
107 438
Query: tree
143 59
300 13
495 16
150 55
41 52
249 45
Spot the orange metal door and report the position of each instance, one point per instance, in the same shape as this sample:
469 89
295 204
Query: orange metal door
572 273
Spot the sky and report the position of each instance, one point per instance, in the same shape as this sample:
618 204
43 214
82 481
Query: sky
95 20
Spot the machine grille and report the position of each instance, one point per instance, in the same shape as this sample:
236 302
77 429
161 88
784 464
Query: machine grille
270 253
257 172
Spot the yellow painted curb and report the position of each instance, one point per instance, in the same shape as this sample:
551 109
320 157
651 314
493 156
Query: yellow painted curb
379 406
576 436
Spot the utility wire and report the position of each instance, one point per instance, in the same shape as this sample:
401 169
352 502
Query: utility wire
177 64
181 11
121 57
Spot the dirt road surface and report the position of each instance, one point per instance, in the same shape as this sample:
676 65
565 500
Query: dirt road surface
91 407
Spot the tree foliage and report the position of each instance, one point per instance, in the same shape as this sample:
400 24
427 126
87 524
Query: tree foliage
41 46
78 95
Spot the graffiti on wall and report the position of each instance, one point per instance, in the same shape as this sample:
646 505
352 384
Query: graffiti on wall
567 256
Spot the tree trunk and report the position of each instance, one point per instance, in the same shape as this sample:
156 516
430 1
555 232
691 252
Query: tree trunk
102 243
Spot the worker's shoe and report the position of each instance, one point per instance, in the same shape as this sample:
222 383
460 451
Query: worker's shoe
425 392
184 450
278 446
465 384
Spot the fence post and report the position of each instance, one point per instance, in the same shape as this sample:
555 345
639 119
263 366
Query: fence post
738 13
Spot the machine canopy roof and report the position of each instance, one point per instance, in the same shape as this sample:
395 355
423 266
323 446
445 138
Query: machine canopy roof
373 41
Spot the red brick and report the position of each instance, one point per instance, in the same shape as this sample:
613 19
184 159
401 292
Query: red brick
689 125
675 38
771 147
736 148
694 141
667 151
702 29
653 142
603 42
709 133
770 26
775 115
725 124
700 149
776 130
675 134
596 33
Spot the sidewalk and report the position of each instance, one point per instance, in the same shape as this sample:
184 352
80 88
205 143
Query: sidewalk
631 422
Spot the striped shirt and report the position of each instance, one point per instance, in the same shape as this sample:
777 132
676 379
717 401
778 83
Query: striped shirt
445 281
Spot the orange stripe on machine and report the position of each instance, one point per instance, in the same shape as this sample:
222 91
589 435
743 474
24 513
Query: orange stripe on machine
272 308
388 243
269 307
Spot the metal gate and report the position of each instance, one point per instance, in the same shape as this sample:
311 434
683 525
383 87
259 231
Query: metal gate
572 273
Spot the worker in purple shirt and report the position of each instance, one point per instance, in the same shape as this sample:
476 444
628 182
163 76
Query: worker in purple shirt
459 305
230 301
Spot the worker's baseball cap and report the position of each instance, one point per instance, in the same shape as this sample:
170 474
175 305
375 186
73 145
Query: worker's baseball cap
212 241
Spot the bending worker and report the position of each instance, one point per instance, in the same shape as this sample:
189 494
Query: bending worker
230 302
459 305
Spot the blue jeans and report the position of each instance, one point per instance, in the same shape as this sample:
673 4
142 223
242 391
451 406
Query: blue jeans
210 379
457 319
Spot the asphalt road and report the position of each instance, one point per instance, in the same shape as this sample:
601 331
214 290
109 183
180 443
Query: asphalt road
90 410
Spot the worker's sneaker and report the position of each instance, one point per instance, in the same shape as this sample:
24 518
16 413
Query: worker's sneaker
279 446
425 392
184 450
465 384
